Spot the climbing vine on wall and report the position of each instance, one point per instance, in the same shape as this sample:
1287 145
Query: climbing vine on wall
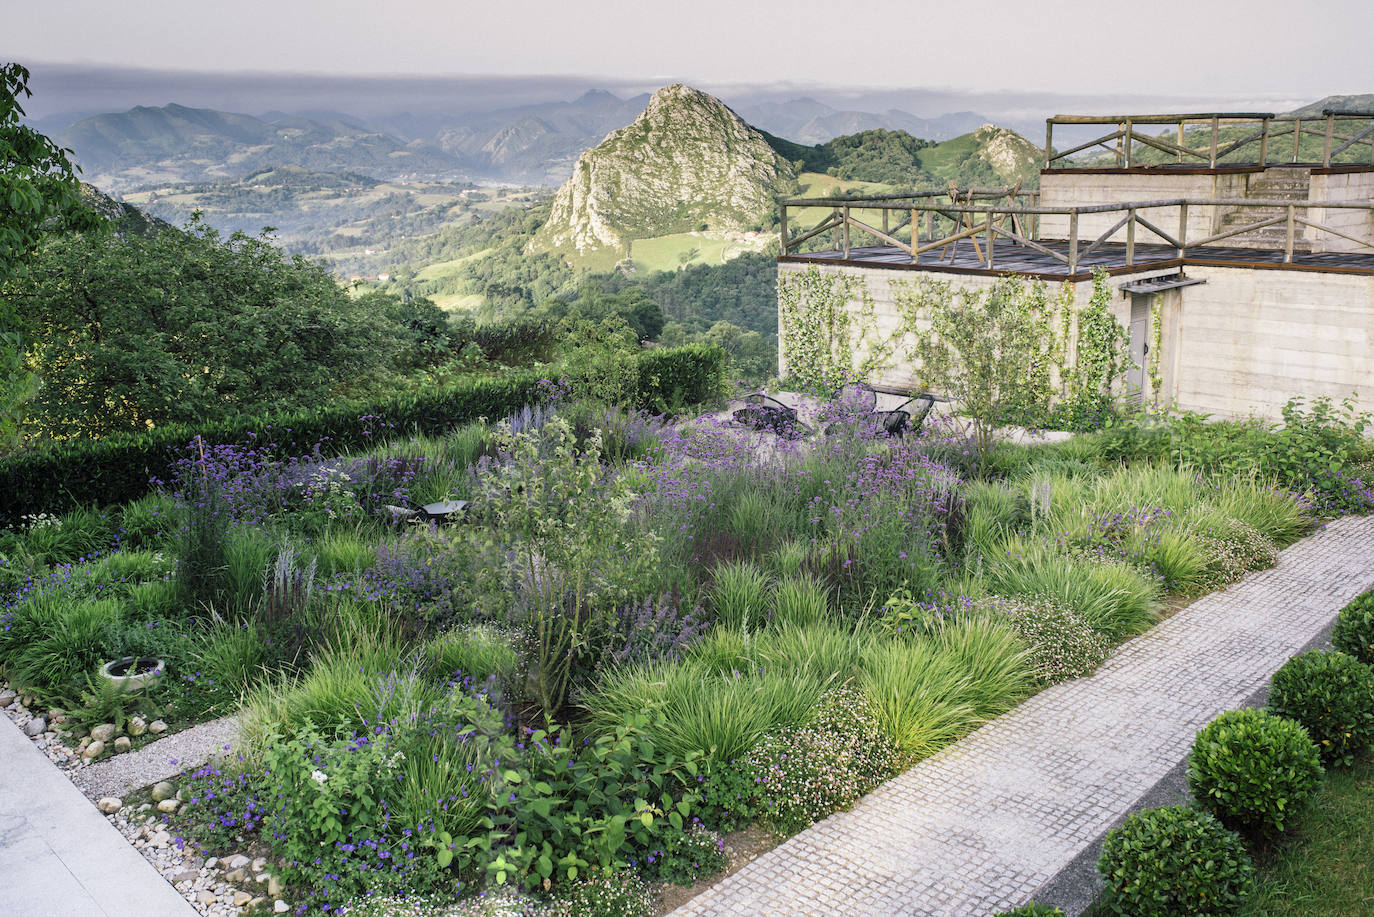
822 333
1156 344
1100 355
1042 346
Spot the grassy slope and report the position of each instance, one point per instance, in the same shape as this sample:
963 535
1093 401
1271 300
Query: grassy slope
1328 868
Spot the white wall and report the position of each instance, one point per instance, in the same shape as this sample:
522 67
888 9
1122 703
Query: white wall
1241 343
1349 186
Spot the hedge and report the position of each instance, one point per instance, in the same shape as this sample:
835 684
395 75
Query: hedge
114 470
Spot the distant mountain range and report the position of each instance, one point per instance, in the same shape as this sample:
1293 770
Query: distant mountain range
529 144
807 121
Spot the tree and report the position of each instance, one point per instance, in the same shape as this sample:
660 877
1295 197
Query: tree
186 326
988 351
39 192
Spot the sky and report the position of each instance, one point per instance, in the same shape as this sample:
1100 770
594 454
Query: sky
1195 48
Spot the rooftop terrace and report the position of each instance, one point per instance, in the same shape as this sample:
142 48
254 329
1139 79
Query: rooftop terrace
1009 231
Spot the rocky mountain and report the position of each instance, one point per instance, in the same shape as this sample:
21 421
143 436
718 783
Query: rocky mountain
176 143
1358 102
686 162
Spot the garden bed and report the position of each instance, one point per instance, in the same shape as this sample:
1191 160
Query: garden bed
637 638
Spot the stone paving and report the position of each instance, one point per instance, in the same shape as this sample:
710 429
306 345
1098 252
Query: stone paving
160 760
981 826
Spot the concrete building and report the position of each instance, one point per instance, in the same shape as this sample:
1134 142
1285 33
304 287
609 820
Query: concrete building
1240 247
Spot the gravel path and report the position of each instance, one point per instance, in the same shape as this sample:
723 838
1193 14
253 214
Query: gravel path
160 760
983 825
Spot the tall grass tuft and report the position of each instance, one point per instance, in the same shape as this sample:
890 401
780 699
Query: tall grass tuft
478 652
799 601
722 715
916 692
739 594
1116 600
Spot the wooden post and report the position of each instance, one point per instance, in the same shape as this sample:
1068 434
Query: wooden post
990 235
1049 141
784 229
915 234
1264 143
1180 141
1288 245
1130 236
1073 241
1182 228
835 233
1297 137
846 232
1216 125
1326 150
885 232
1128 143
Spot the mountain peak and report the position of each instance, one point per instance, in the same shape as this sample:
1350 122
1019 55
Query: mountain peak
687 161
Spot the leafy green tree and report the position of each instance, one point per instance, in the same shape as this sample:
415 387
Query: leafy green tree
187 327
39 192
987 351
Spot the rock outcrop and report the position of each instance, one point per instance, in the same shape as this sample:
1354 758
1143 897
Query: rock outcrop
687 161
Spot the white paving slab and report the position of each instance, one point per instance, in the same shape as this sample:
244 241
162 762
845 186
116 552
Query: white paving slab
981 826
59 857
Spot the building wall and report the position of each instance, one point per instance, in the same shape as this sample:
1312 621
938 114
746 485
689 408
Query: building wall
1070 188
1247 340
1241 343
1348 186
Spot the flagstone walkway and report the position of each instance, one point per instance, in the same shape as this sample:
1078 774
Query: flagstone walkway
983 825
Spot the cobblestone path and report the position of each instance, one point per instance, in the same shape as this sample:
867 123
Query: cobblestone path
985 823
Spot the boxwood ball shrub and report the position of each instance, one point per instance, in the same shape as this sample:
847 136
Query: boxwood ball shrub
1173 861
1354 632
1332 696
1254 770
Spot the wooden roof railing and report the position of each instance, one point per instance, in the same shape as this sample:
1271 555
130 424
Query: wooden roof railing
1341 132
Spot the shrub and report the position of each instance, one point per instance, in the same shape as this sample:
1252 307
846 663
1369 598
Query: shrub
653 630
825 765
1354 633
1332 696
118 468
1254 770
686 856
1062 645
1174 861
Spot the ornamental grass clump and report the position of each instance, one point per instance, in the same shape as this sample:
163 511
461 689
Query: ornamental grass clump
739 594
1254 770
702 712
1033 909
1173 861
1354 633
1116 600
1332 696
928 692
798 601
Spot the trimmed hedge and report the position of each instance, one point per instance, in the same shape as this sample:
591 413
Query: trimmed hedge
119 468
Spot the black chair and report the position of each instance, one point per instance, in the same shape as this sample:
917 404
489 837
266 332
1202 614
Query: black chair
916 410
769 415
442 511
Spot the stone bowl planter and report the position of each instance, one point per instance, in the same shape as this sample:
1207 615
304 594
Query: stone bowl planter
134 673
